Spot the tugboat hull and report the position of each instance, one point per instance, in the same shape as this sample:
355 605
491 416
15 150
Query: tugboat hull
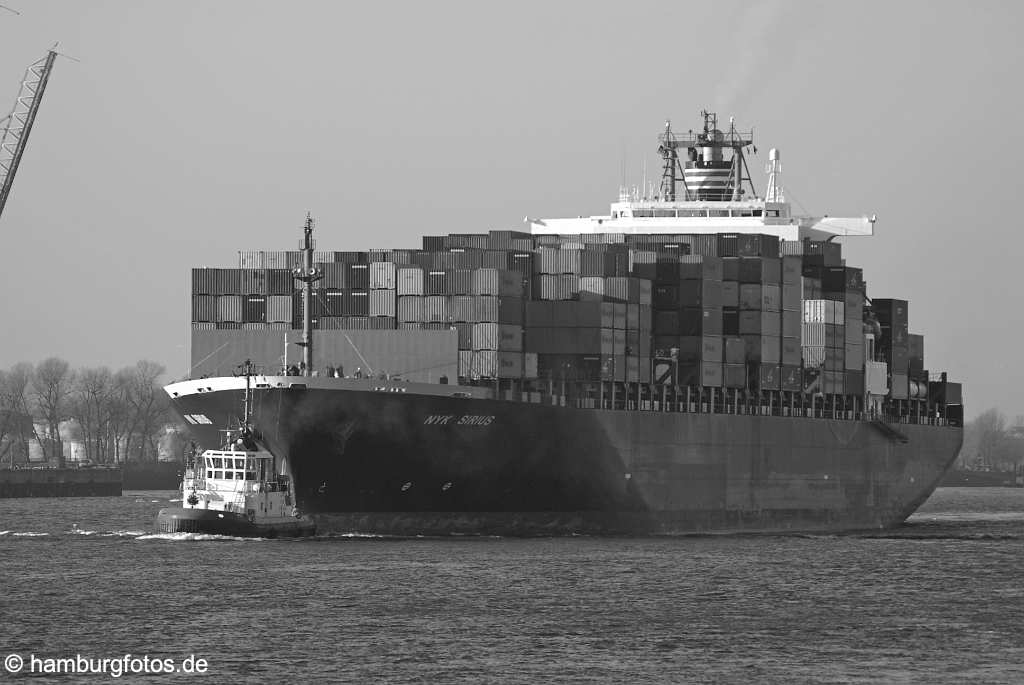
211 522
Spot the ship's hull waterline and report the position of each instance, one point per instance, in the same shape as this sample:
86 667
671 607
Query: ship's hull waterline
386 462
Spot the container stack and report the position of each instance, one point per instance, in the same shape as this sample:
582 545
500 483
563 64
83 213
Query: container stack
687 304
846 284
734 310
894 345
823 343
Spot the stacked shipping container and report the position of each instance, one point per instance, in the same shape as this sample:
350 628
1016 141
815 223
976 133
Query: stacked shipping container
734 310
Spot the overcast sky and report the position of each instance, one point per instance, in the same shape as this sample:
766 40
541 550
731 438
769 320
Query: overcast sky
192 130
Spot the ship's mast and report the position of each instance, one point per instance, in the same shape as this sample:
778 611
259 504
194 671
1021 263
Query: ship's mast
18 124
307 273
707 175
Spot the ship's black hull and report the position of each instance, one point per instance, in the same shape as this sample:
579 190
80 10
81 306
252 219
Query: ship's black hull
405 463
212 522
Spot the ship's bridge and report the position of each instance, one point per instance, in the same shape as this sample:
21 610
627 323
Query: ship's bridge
710 192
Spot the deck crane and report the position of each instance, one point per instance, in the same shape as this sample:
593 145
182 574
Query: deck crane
18 124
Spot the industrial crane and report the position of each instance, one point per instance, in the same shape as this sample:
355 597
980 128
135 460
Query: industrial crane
18 124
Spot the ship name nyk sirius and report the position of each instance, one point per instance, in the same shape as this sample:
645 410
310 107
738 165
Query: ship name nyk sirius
699 359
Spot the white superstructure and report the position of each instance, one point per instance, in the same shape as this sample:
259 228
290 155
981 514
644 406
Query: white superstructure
706 193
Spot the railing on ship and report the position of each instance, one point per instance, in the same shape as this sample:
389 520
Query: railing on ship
653 397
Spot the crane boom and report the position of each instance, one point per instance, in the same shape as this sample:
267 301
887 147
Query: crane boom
19 122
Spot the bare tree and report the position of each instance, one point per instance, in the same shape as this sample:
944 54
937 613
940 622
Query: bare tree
51 385
148 406
91 405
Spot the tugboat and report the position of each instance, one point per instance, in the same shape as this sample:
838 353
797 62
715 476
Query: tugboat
237 490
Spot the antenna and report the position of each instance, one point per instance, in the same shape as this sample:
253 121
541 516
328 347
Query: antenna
5 7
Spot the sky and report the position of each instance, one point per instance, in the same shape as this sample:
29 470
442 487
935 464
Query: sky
187 131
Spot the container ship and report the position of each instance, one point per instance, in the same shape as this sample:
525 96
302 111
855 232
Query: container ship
700 359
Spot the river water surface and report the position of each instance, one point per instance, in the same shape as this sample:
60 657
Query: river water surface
939 600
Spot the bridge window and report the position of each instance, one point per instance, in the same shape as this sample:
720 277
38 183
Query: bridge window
664 212
643 213
239 475
218 474
209 473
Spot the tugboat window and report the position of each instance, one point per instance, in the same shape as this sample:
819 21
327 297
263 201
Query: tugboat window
239 474
209 474
218 474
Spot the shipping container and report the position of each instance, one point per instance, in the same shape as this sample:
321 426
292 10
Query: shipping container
204 308
250 259
730 294
382 302
751 298
703 374
824 311
765 270
771 297
760 323
763 349
493 336
700 321
409 281
730 321
500 282
735 349
758 245
435 309
410 309
592 288
465 331
734 375
254 309
382 275
279 309
791 353
593 341
791 324
280 282
892 313
229 308
700 267
792 270
707 348
703 293
462 308
492 309
813 355
791 297
333 275
357 276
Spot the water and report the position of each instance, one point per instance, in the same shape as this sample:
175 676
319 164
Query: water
939 601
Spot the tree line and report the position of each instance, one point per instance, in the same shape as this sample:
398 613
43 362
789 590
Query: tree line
993 442
120 413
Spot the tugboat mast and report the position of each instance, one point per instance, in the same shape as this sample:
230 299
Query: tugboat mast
307 273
